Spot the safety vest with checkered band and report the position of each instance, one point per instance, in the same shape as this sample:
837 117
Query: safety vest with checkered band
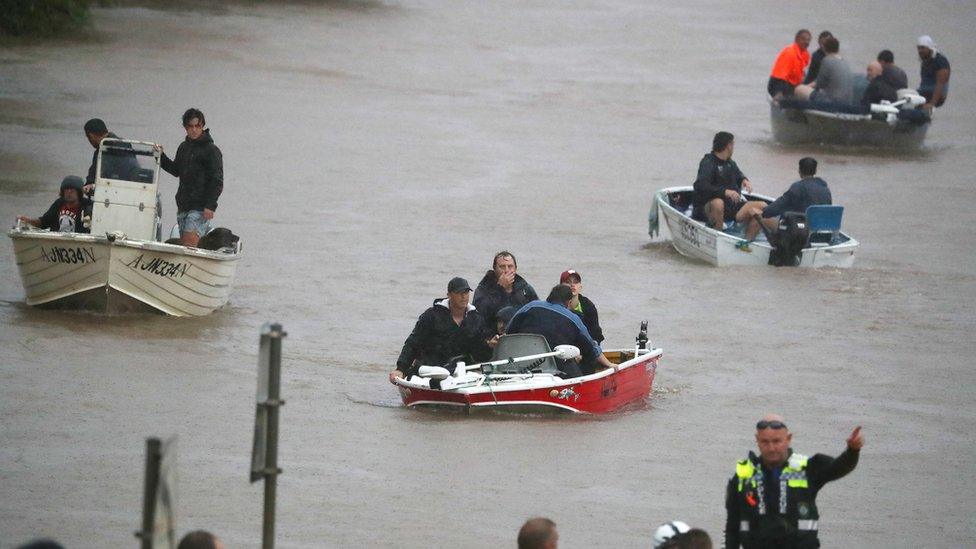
796 501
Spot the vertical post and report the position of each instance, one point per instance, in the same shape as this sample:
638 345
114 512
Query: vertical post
271 463
151 484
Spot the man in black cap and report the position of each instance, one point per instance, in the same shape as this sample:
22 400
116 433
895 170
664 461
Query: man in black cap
95 131
68 212
450 327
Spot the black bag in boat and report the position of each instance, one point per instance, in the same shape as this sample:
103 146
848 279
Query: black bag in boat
789 240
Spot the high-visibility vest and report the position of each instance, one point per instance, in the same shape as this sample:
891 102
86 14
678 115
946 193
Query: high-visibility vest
790 64
796 507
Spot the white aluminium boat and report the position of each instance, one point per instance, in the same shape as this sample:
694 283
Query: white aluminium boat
696 240
121 266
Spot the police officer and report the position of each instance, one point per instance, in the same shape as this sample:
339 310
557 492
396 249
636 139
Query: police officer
771 498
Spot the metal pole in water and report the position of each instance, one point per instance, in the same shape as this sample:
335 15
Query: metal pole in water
271 464
151 484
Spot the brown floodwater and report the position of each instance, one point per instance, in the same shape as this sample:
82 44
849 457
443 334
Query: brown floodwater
374 150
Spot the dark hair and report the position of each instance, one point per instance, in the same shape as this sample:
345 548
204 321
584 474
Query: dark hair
824 34
96 126
192 113
536 533
721 140
696 538
198 539
831 45
808 166
560 294
799 32
503 253
886 56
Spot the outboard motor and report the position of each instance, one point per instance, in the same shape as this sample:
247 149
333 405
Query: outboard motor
642 336
789 240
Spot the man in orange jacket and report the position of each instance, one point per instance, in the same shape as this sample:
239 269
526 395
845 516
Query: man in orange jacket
789 66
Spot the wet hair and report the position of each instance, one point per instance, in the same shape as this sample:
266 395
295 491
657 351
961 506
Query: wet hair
831 45
696 538
192 113
501 254
808 166
96 126
824 34
198 539
536 533
800 32
721 140
885 56
560 294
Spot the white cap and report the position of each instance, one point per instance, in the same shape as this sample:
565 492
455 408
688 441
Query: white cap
926 41
668 530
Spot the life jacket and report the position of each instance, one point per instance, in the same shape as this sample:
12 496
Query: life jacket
793 523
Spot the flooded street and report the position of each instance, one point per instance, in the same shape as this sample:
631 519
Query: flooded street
374 150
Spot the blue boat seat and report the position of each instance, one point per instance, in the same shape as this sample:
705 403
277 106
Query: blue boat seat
823 222
516 345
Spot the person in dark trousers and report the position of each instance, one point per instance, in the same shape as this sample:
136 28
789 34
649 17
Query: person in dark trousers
935 72
200 539
892 74
450 327
95 131
771 499
581 305
502 287
199 165
560 326
69 212
718 188
810 190
816 57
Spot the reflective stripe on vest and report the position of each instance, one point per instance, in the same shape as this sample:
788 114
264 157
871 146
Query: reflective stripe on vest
807 525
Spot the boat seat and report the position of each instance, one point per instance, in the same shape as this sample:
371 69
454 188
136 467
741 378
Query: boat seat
516 345
823 222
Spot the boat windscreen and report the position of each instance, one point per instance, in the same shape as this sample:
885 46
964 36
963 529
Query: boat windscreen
128 162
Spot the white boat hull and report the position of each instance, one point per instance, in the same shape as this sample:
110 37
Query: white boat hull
74 270
695 240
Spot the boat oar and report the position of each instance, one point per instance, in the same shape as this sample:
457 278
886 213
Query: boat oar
562 352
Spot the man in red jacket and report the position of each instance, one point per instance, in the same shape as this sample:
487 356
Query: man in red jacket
788 69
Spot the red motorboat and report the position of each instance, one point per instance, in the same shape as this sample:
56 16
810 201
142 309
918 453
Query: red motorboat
524 377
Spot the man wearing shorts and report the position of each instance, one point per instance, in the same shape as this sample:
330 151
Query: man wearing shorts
718 188
200 167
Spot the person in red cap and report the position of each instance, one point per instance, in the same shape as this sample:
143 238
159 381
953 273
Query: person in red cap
581 305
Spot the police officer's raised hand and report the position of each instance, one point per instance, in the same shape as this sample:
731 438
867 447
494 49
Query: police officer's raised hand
856 440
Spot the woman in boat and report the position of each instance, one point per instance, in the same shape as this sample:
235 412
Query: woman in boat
581 305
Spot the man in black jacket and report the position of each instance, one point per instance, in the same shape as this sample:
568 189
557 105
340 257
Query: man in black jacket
200 166
581 305
771 499
95 131
450 327
502 287
810 190
68 213
718 188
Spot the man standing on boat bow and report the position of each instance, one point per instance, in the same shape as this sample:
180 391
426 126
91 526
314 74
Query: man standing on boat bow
450 327
771 498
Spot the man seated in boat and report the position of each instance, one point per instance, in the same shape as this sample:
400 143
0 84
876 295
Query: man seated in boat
69 213
581 305
810 190
502 286
718 187
450 327
560 326
878 89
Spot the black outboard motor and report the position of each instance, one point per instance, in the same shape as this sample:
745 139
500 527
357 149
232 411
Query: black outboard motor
642 336
789 240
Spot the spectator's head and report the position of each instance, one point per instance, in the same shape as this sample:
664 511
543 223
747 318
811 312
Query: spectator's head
802 39
808 167
194 122
560 295
71 188
538 533
926 47
874 70
458 293
504 263
831 45
885 57
95 131
502 318
723 142
773 439
572 279
200 539
823 36
667 531
696 538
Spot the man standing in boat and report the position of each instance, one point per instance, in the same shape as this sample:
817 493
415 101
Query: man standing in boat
502 287
450 327
718 187
771 498
95 131
199 165
935 74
